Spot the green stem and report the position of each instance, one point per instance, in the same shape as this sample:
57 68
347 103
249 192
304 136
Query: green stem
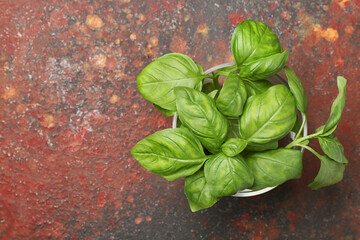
310 149
297 141
216 82
301 128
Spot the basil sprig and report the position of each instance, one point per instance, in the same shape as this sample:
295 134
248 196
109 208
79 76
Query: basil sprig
228 137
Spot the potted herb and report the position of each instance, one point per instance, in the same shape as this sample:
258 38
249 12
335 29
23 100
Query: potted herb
227 139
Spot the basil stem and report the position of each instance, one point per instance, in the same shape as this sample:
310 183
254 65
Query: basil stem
301 128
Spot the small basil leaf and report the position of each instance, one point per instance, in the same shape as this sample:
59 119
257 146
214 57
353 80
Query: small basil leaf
157 80
330 172
336 108
259 147
257 87
253 40
208 87
268 116
264 67
333 148
233 146
297 89
198 192
233 129
198 112
165 111
213 94
171 153
274 167
232 96
227 175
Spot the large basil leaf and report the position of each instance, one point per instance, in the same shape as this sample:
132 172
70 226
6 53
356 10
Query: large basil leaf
165 111
198 192
227 175
157 80
273 167
333 148
257 87
233 129
297 89
268 116
264 67
233 146
330 172
253 40
232 96
198 112
336 108
259 147
171 153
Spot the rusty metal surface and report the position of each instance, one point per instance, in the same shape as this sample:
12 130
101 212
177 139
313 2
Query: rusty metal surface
70 113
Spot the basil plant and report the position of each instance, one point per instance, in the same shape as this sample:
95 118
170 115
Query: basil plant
227 138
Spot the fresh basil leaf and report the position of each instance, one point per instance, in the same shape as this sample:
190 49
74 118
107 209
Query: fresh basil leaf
233 129
198 112
268 116
259 147
232 96
227 175
253 40
198 192
208 87
165 111
213 94
157 80
333 148
330 172
274 167
297 89
264 67
336 108
233 146
171 153
257 87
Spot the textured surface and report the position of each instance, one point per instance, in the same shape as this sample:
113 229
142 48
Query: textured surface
70 113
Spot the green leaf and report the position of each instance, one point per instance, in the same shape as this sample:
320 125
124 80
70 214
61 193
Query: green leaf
198 112
157 80
165 111
213 94
336 108
233 146
227 175
264 67
274 167
198 192
232 96
268 116
171 153
233 129
330 172
259 147
253 40
208 87
333 148
257 87
297 89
